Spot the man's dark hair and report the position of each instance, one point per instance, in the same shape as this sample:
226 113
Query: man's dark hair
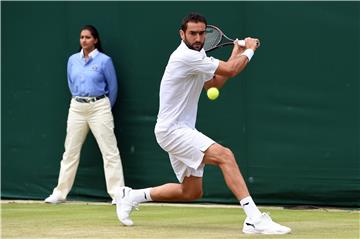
192 17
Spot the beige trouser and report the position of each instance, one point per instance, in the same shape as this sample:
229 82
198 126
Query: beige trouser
98 117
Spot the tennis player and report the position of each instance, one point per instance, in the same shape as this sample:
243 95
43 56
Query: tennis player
188 71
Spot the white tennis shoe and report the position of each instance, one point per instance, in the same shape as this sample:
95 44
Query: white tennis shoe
264 225
124 206
54 199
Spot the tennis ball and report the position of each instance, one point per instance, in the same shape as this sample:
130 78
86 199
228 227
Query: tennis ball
213 93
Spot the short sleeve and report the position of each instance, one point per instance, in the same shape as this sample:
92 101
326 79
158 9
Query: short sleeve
205 66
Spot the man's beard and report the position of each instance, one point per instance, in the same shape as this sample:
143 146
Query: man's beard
197 46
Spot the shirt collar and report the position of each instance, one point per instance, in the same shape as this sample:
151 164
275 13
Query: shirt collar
92 54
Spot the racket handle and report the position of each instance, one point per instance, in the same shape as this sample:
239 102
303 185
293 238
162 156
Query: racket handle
242 43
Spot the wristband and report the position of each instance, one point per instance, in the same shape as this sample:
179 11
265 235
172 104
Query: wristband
248 53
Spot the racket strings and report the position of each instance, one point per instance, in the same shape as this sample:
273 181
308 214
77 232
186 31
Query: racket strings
213 38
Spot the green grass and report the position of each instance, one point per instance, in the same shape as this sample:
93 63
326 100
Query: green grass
69 220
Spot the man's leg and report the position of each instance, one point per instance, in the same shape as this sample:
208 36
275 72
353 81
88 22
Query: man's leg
190 189
256 222
186 148
225 160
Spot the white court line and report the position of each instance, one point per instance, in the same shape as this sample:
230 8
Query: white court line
194 205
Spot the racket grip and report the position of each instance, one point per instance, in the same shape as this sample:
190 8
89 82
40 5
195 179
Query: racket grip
241 42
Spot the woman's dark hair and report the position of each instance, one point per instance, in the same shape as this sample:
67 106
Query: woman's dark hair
192 17
95 34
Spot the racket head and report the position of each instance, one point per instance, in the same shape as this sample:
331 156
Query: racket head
213 36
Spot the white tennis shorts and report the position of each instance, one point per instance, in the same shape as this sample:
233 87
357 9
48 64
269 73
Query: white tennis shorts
186 149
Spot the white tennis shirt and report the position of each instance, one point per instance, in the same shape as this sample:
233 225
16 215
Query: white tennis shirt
181 86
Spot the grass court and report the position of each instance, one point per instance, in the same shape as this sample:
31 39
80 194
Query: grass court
98 220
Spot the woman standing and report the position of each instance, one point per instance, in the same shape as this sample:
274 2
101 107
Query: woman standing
93 85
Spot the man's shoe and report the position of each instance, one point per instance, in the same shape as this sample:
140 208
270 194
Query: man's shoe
54 199
264 225
124 206
113 202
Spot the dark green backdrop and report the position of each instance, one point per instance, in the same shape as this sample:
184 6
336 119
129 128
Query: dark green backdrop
291 118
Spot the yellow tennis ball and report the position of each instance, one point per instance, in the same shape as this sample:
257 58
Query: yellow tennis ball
213 93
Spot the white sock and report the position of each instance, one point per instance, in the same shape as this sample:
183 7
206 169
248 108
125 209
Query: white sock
140 195
249 207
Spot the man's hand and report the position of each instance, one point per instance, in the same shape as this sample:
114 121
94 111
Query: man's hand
252 43
237 50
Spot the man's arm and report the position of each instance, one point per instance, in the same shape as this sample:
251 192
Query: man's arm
233 66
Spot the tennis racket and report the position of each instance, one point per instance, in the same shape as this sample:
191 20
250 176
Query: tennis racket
215 39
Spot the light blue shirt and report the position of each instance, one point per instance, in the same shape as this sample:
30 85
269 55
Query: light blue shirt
94 77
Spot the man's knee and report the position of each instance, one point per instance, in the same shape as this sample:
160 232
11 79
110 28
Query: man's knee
191 188
228 154
219 155
192 195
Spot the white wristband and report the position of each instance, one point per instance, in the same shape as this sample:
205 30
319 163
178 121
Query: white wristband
248 53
